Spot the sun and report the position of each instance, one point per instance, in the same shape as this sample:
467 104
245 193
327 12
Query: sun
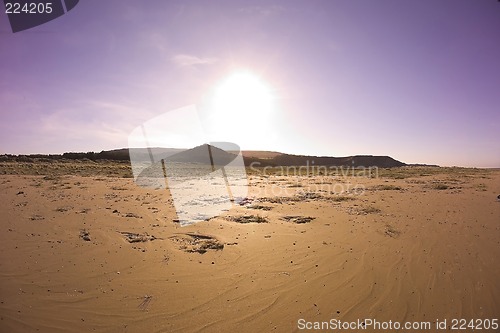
243 94
240 109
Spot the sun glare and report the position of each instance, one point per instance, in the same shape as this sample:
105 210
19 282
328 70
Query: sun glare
242 110
243 94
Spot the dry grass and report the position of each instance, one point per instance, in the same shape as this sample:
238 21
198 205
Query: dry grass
52 171
440 187
249 219
370 210
387 188
340 198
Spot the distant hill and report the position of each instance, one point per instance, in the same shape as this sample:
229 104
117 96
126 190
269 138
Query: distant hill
198 155
350 161
260 154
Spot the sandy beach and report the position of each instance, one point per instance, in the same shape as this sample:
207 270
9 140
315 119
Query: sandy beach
250 166
85 251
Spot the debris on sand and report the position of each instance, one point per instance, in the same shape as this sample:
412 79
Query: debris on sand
132 237
146 300
298 219
391 231
64 209
191 243
310 196
245 201
260 207
301 196
249 219
135 216
277 200
85 235
362 210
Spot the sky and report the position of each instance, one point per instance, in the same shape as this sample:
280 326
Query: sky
416 80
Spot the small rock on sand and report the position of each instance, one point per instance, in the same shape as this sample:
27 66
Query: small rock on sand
85 235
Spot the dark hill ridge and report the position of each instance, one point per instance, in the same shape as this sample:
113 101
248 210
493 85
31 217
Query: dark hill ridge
349 161
205 154
198 155
260 159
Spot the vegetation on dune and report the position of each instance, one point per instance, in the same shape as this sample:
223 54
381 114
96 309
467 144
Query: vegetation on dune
249 219
116 163
387 188
340 198
440 186
370 210
420 171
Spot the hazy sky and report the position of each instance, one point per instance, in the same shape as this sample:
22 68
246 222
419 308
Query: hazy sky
416 80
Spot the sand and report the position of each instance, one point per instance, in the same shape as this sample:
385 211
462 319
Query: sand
82 252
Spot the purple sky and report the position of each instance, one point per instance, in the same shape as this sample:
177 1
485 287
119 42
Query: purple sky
416 80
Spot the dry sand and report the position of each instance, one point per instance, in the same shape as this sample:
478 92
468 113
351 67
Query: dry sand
97 253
